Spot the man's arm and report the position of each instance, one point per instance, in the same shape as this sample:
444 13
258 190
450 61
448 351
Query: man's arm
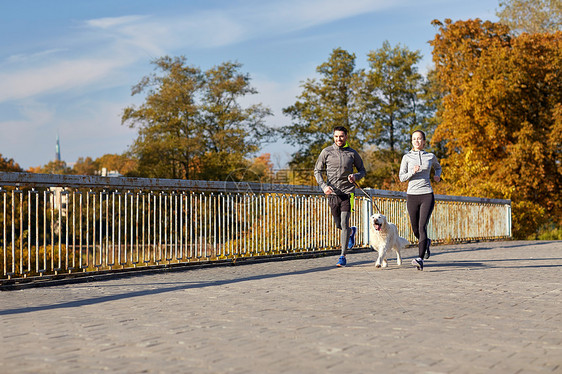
361 172
318 169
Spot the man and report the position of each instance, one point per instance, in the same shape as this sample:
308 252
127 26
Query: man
338 161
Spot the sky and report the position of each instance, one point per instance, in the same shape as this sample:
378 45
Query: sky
67 67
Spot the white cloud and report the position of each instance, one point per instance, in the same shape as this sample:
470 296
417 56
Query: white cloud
56 77
104 51
228 25
301 14
111 43
22 59
111 22
155 35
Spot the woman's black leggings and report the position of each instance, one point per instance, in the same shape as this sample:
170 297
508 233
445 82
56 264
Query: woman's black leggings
420 208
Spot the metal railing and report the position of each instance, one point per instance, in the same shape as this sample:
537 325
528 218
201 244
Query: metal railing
67 224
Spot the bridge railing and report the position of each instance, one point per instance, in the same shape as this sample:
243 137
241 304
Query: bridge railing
67 224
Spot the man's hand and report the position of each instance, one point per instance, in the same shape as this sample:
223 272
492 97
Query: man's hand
328 190
351 178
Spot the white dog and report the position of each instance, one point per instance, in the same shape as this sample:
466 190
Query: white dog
383 235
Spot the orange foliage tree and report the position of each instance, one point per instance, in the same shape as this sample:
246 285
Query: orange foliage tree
123 163
8 164
502 117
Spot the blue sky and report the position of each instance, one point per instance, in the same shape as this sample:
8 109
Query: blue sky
67 66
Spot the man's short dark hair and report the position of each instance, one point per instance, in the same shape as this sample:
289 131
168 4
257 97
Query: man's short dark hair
340 128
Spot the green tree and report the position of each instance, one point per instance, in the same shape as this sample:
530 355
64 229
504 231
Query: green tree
501 117
8 164
431 95
192 124
380 106
531 16
394 87
334 99
399 101
230 132
169 141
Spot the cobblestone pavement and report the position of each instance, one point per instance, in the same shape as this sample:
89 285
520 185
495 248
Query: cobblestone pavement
487 307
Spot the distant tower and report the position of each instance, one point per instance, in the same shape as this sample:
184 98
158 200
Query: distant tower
57 149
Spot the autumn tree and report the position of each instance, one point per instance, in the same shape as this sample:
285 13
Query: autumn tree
54 167
259 169
531 16
85 166
332 99
8 164
123 163
192 124
501 117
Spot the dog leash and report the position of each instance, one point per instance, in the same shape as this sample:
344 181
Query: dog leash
371 197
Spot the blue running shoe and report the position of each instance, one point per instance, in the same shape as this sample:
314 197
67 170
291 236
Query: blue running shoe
351 242
341 261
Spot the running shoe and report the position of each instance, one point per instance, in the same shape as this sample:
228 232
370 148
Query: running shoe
417 263
351 242
341 261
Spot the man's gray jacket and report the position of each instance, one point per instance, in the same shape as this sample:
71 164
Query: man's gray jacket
338 163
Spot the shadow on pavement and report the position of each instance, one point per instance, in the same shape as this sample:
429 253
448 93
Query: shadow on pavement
493 264
181 286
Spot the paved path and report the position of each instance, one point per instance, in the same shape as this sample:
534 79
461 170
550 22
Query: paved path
489 307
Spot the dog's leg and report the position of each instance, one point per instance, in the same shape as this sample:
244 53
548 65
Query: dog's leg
379 258
398 257
384 261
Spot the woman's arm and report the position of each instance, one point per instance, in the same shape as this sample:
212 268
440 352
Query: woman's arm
403 175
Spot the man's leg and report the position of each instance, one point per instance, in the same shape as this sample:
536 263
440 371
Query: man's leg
346 230
344 217
334 203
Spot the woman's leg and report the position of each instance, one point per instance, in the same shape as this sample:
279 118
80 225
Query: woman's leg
425 210
413 206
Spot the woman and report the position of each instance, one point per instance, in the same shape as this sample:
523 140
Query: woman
415 168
